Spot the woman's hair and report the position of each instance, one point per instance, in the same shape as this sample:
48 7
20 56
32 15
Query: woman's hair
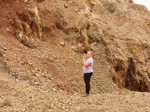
90 52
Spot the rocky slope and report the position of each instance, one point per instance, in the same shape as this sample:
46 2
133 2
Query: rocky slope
41 47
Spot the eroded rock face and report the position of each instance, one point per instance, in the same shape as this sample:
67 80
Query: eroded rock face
135 79
28 27
130 76
116 30
118 27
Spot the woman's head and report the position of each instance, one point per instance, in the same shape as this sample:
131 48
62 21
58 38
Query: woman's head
89 54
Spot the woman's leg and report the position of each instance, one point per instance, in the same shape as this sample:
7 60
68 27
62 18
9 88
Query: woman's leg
87 77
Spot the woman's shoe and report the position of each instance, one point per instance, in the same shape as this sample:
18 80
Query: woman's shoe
85 95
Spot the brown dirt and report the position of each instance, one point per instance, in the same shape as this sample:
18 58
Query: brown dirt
40 74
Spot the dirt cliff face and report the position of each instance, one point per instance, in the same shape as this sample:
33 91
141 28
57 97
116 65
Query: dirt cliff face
42 43
117 31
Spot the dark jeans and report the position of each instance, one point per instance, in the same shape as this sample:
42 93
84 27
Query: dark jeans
87 77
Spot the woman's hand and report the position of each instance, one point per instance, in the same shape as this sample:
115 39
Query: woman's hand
84 63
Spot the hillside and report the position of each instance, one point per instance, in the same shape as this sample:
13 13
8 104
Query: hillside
41 47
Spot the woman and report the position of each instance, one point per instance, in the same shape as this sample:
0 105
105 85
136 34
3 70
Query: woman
88 71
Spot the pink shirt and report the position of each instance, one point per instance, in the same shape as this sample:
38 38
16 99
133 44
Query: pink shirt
88 69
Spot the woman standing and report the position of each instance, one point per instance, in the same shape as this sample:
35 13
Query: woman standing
88 71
